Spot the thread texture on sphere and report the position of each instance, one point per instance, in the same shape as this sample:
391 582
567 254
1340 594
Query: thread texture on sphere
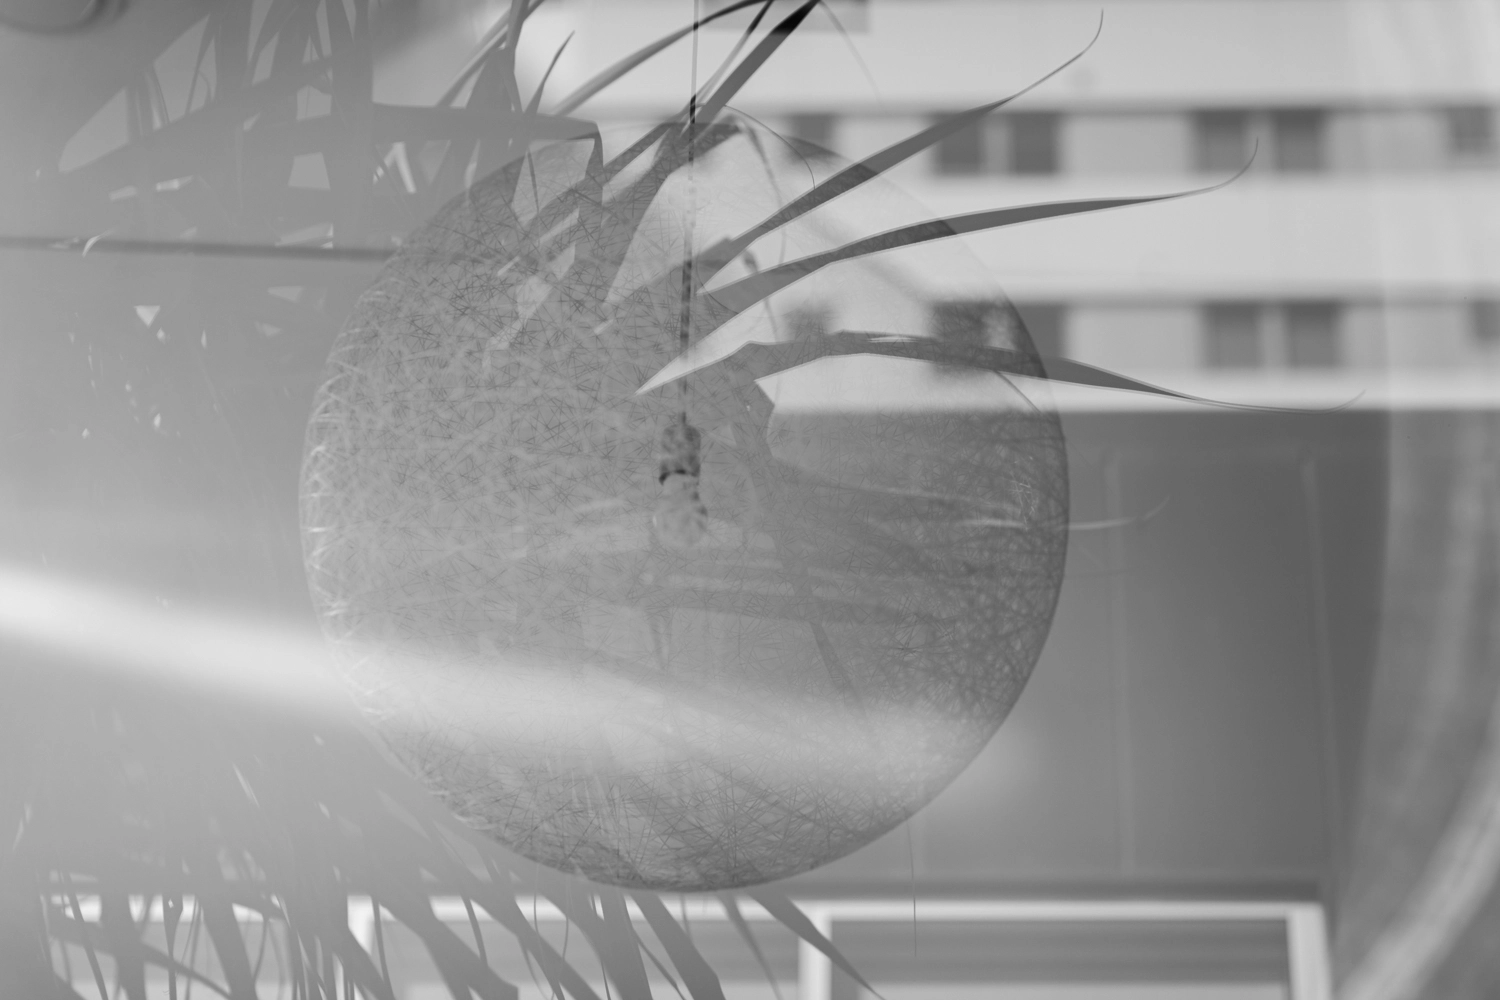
685 639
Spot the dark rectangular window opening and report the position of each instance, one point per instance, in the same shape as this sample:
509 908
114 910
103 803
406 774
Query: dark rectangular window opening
811 134
972 323
961 152
1045 322
1471 132
1299 140
1233 335
1312 334
1033 143
964 323
1484 321
1222 140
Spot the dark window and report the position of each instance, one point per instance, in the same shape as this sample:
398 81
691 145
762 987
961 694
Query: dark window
1471 132
1033 143
964 324
1484 319
1014 144
1312 334
1298 140
1233 335
1044 322
811 135
1222 139
988 323
962 152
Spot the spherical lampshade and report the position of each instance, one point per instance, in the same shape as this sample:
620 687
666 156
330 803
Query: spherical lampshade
698 637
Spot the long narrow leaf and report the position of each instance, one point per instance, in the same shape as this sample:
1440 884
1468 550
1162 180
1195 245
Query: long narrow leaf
661 967
714 258
357 964
616 944
506 63
176 147
492 895
125 941
753 62
609 75
734 53
622 950
741 295
483 53
394 123
459 965
794 920
754 360
701 980
559 973
82 933
88 944
536 98
229 944
712 309
732 909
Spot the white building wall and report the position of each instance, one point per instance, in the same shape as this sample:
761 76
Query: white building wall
1364 337
1395 228
1427 335
1392 140
1135 337
1155 143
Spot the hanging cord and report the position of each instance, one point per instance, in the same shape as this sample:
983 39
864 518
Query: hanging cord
681 519
684 324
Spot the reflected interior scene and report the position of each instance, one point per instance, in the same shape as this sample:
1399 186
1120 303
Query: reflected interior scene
727 499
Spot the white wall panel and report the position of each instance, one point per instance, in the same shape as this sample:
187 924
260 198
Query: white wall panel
1132 338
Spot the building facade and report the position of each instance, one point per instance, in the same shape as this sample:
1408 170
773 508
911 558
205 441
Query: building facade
1360 242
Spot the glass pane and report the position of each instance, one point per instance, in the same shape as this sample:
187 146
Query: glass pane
1312 335
962 152
1044 322
811 134
1471 131
1233 335
1066 958
962 323
1033 143
1485 319
1299 140
1222 139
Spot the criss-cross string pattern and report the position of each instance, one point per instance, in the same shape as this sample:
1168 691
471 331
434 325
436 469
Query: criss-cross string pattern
479 490
705 689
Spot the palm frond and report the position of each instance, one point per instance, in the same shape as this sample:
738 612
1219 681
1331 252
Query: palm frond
746 292
709 109
742 927
494 39
794 920
606 77
701 980
710 261
535 103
